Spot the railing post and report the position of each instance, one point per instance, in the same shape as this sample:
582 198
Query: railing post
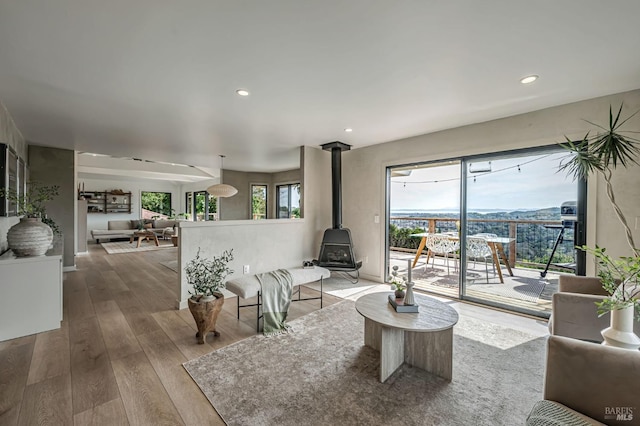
513 233
432 226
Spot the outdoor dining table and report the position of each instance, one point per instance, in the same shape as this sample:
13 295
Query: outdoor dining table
496 244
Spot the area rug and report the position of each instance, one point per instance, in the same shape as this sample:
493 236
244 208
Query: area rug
321 374
117 247
527 289
341 287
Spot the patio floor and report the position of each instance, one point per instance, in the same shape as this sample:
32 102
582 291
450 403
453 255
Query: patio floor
524 290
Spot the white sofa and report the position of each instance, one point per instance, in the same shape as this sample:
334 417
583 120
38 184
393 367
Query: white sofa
126 228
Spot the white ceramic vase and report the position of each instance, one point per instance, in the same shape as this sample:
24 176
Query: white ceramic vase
620 334
29 237
409 298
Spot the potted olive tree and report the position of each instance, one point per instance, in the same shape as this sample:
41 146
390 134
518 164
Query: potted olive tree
33 235
207 278
602 154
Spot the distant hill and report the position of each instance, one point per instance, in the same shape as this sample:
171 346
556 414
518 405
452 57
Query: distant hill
549 213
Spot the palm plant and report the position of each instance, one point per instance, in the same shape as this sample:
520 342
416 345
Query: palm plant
602 154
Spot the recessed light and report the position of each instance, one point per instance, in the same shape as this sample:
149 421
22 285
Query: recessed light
528 79
348 130
242 92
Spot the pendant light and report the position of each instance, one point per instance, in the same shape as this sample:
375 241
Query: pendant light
222 190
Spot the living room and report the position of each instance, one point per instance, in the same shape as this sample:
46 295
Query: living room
108 345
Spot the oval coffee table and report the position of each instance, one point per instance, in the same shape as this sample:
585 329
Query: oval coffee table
423 339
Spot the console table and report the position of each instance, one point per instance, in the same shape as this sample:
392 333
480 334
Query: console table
34 282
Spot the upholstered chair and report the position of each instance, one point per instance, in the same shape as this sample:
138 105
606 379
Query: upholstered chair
574 312
588 383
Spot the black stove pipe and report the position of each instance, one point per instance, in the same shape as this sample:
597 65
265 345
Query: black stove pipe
336 149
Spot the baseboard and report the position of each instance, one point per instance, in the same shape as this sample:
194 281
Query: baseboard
69 268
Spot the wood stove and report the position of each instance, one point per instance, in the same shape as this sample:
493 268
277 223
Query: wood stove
336 251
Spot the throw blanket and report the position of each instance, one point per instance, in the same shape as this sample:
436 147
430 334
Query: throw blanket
277 288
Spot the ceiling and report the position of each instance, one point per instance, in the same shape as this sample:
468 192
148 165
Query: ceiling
157 79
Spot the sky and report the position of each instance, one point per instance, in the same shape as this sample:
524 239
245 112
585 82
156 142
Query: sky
537 184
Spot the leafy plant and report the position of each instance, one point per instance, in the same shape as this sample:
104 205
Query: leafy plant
52 224
207 275
620 278
32 203
158 202
602 154
401 237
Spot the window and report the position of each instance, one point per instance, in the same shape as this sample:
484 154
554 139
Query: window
288 201
188 202
158 203
206 206
258 202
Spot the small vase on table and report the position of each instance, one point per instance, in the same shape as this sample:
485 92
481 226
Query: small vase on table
408 297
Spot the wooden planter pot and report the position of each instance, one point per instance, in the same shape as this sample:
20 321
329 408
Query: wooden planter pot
206 314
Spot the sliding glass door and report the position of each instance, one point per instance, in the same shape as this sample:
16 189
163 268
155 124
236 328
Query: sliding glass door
516 240
488 228
425 201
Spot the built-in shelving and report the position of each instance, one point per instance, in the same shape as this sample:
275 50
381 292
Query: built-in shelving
106 202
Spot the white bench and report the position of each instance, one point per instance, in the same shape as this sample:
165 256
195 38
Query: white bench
248 286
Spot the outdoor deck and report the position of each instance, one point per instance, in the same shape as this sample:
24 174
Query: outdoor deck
525 290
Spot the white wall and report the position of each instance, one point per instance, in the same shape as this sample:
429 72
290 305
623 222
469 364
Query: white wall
10 135
316 198
135 186
264 245
363 170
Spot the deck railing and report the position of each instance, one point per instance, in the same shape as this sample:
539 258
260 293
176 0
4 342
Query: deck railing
534 239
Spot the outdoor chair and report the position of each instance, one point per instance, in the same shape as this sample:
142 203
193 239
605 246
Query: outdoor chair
478 248
442 244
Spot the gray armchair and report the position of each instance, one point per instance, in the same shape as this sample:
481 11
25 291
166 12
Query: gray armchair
587 383
574 313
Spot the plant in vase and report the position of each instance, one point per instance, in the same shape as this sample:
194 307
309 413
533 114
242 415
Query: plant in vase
621 279
207 278
397 283
601 154
34 234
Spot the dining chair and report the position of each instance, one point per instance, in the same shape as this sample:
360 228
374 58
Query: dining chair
478 248
442 245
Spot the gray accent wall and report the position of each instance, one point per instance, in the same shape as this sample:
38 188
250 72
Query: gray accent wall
53 166
10 135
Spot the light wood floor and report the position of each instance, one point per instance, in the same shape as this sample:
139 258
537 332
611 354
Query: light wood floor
118 357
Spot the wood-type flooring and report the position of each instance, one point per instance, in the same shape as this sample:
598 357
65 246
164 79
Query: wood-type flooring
117 359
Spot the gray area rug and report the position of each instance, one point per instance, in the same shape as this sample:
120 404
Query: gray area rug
528 289
321 374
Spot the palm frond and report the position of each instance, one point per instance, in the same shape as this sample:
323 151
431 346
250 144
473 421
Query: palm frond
613 148
615 127
582 162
